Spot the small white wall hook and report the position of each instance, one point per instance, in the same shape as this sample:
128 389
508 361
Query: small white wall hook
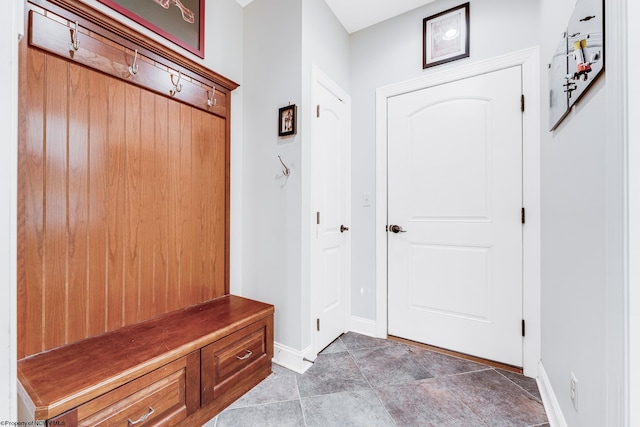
177 86
75 41
133 68
211 98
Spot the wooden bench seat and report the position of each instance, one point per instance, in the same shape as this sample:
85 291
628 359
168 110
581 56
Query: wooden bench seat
66 378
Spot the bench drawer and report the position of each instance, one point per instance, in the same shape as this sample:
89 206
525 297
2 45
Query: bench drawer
230 362
156 399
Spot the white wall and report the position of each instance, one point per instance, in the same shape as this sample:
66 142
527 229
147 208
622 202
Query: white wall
617 261
8 206
633 191
391 52
325 44
582 240
271 205
282 39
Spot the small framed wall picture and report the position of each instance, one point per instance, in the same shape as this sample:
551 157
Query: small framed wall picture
446 36
287 120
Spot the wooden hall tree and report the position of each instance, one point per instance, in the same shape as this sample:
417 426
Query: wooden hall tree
124 312
123 181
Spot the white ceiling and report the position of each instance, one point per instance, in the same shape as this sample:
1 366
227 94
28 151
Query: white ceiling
358 14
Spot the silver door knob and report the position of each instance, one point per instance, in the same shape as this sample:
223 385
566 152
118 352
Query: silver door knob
396 229
343 228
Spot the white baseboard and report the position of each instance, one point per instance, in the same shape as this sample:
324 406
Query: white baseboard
300 361
290 358
549 399
363 326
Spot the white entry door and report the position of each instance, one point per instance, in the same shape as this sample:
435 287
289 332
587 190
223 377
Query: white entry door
455 195
330 264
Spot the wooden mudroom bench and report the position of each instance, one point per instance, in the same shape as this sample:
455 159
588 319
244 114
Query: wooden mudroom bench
180 368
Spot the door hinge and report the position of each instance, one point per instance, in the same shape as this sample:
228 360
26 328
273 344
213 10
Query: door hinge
318 217
522 103
523 328
318 324
523 216
318 110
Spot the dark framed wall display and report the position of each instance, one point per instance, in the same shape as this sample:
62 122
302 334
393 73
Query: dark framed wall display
287 120
446 36
180 21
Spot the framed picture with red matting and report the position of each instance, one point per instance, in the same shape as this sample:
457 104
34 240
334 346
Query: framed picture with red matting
180 21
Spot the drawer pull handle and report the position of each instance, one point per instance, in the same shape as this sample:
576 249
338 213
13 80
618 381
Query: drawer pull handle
246 356
142 418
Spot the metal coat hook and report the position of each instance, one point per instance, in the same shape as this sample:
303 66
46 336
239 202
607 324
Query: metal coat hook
133 68
211 99
177 86
75 41
286 171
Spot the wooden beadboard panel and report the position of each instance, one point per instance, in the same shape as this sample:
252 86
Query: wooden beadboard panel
78 191
30 260
122 198
98 206
55 235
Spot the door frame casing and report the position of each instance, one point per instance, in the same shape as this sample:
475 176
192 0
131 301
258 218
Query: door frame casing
529 61
319 78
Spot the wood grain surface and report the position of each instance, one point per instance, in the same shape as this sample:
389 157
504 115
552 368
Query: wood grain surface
63 378
123 197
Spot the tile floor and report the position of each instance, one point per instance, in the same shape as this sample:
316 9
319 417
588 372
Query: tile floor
364 381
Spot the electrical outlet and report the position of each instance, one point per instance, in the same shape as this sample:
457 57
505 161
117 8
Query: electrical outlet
573 391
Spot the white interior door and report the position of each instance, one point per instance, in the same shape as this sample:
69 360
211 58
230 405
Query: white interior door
330 265
455 188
